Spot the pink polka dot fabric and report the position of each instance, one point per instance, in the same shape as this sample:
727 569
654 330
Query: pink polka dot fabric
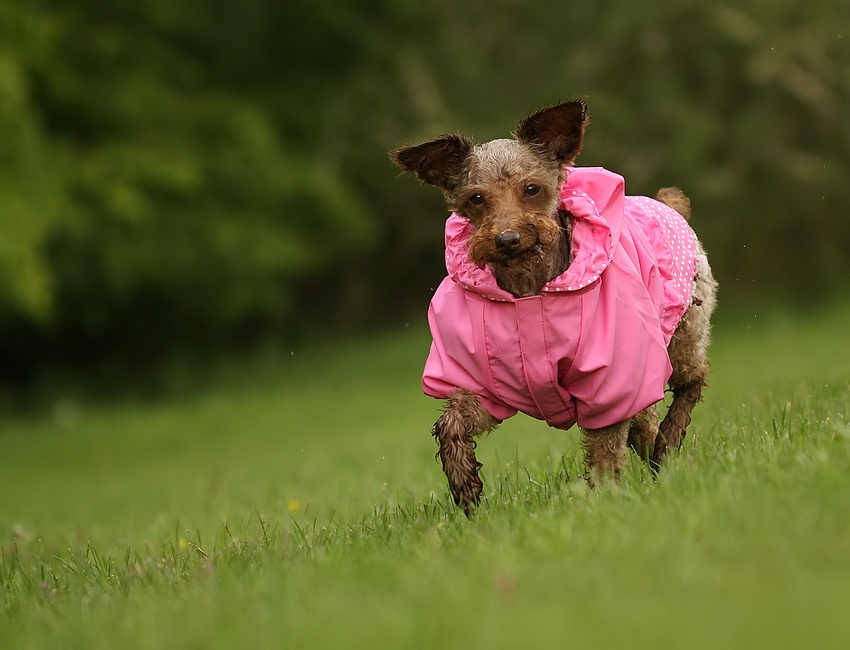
675 247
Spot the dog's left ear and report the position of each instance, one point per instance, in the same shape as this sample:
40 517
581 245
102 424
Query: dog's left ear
558 130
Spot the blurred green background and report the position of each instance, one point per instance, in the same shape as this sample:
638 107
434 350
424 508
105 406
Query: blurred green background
187 178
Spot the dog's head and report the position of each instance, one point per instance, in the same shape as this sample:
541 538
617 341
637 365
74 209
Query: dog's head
509 189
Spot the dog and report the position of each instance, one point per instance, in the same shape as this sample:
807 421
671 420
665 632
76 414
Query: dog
565 299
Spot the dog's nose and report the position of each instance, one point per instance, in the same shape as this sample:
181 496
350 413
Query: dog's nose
507 241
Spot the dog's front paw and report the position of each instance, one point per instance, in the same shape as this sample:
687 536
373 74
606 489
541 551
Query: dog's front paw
457 454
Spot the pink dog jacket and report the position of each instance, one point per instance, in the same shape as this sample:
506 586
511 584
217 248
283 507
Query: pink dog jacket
592 348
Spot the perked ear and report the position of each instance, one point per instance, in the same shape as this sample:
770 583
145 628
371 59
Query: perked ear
558 130
438 162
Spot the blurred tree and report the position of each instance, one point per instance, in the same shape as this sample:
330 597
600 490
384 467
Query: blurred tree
28 182
190 175
152 199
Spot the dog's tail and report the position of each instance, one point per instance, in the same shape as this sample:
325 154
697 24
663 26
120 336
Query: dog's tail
676 199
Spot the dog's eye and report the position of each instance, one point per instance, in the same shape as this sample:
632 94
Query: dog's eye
532 189
477 199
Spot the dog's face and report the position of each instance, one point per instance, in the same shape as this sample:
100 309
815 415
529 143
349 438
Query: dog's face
509 189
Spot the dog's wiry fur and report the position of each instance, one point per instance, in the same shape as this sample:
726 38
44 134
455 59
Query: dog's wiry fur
509 189
463 419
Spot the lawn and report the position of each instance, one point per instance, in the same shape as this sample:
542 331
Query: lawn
293 500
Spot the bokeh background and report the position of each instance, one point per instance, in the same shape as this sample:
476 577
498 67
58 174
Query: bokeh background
200 177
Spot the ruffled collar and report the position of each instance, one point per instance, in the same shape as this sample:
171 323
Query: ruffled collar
594 197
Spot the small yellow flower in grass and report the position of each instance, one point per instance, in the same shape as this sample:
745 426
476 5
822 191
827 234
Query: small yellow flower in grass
182 543
293 506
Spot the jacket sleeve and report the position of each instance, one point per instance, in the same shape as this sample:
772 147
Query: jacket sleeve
458 355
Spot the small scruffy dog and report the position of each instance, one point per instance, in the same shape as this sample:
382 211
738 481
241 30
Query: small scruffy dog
565 299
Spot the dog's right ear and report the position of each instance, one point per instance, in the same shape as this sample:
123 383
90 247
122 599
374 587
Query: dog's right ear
438 162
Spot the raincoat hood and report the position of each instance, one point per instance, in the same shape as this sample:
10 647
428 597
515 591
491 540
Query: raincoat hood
595 199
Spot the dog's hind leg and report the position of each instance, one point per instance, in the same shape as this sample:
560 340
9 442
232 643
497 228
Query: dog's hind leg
463 418
605 450
673 428
688 357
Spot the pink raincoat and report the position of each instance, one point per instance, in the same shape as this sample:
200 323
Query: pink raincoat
592 348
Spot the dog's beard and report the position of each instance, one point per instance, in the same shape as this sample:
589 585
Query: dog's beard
536 239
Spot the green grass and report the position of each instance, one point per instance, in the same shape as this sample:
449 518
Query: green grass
294 501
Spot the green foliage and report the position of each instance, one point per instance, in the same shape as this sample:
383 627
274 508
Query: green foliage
28 180
297 502
188 174
149 196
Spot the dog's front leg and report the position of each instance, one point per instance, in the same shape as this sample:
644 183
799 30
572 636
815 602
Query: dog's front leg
605 450
463 418
643 431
